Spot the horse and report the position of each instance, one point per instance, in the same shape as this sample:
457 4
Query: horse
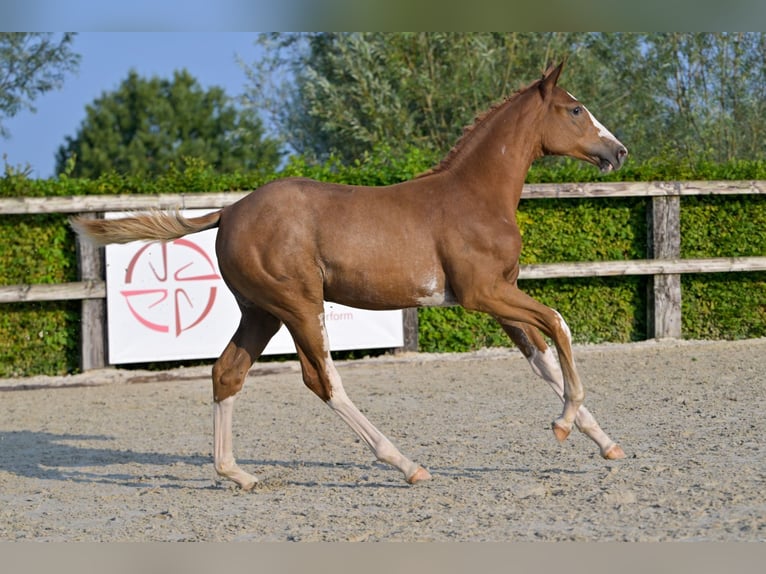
445 237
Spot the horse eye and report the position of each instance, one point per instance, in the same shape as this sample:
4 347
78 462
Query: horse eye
576 111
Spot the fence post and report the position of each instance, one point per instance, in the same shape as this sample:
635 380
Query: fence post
410 320
90 265
664 239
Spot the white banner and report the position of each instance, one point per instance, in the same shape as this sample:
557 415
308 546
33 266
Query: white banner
169 302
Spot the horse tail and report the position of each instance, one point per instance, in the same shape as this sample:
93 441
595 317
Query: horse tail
151 226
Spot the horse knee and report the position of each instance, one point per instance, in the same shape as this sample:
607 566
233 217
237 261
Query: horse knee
560 326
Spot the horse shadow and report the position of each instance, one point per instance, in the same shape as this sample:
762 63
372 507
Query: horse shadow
50 456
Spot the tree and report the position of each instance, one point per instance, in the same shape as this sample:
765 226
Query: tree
713 98
346 93
32 64
147 126
678 97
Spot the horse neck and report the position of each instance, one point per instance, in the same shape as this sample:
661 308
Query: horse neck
496 159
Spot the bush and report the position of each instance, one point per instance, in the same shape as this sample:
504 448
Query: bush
42 338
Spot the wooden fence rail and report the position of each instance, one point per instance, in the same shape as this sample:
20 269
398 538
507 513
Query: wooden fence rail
664 249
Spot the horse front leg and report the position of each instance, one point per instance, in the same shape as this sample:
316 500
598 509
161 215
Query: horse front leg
508 304
541 359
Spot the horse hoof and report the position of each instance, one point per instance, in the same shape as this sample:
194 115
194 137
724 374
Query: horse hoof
419 475
247 486
241 478
614 452
560 431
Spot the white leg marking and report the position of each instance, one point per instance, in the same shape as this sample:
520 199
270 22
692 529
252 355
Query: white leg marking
564 326
223 450
573 397
383 449
341 404
545 366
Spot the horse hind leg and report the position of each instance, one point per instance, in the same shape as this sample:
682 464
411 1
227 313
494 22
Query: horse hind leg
256 328
321 376
541 359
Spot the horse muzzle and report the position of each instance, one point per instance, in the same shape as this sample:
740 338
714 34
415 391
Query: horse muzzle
611 158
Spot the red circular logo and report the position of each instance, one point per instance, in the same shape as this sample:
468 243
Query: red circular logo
185 291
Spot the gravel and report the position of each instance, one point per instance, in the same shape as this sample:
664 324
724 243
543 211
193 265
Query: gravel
125 455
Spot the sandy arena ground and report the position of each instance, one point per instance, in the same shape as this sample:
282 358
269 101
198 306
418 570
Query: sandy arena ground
120 455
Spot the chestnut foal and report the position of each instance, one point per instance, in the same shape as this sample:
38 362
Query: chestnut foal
447 237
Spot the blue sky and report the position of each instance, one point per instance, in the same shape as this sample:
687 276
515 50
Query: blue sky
106 59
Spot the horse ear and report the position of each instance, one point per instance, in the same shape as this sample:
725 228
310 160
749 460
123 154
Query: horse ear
550 77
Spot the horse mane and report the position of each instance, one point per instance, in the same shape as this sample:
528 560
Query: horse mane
470 130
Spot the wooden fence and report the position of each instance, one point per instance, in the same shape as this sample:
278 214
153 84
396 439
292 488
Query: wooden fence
663 261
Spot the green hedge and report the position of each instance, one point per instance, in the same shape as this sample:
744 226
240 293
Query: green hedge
725 305
43 338
38 337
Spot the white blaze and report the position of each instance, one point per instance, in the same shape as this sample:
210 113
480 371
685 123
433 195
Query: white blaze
602 131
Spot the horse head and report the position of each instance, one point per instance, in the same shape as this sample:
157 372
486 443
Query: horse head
570 129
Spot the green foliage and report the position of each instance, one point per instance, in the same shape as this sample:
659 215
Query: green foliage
716 226
453 329
347 93
383 167
32 64
597 309
43 337
39 338
147 127
678 95
192 176
39 249
723 306
558 230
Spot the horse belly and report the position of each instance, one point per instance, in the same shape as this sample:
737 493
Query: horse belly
387 285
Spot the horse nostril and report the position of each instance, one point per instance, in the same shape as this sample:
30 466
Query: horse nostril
621 153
